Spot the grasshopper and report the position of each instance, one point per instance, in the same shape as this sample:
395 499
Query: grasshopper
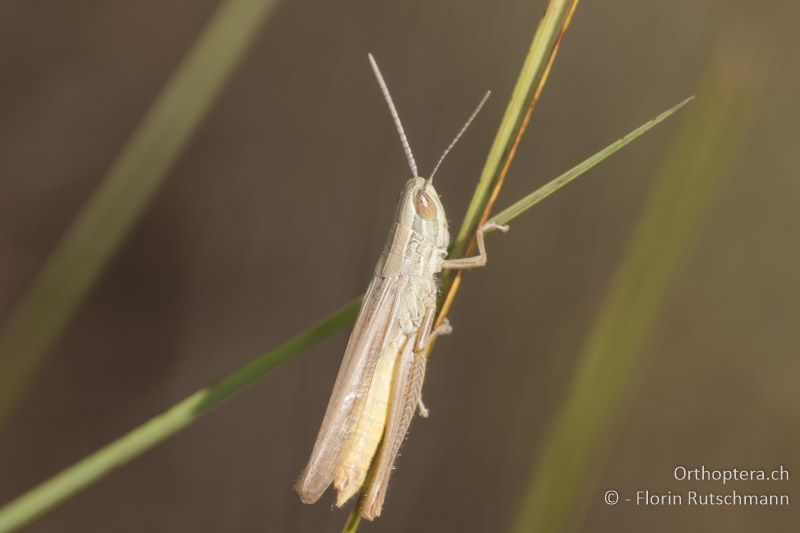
379 384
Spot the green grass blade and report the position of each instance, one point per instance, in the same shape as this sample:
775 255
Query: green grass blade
353 521
703 147
527 89
91 469
524 97
522 205
123 194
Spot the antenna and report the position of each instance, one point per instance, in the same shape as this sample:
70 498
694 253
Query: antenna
393 110
458 136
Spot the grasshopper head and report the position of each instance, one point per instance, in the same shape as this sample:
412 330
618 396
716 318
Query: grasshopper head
421 209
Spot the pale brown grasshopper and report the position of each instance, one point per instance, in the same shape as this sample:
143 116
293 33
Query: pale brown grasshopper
380 380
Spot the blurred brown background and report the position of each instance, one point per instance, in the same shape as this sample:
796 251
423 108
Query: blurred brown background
276 213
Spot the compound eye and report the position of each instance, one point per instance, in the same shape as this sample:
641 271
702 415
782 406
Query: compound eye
423 205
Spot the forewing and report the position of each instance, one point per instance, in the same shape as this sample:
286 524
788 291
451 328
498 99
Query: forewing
355 374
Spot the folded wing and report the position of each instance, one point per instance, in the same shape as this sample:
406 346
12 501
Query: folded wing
369 335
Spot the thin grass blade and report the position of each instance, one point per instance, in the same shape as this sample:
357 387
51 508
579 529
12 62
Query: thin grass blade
96 466
524 98
522 205
122 195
